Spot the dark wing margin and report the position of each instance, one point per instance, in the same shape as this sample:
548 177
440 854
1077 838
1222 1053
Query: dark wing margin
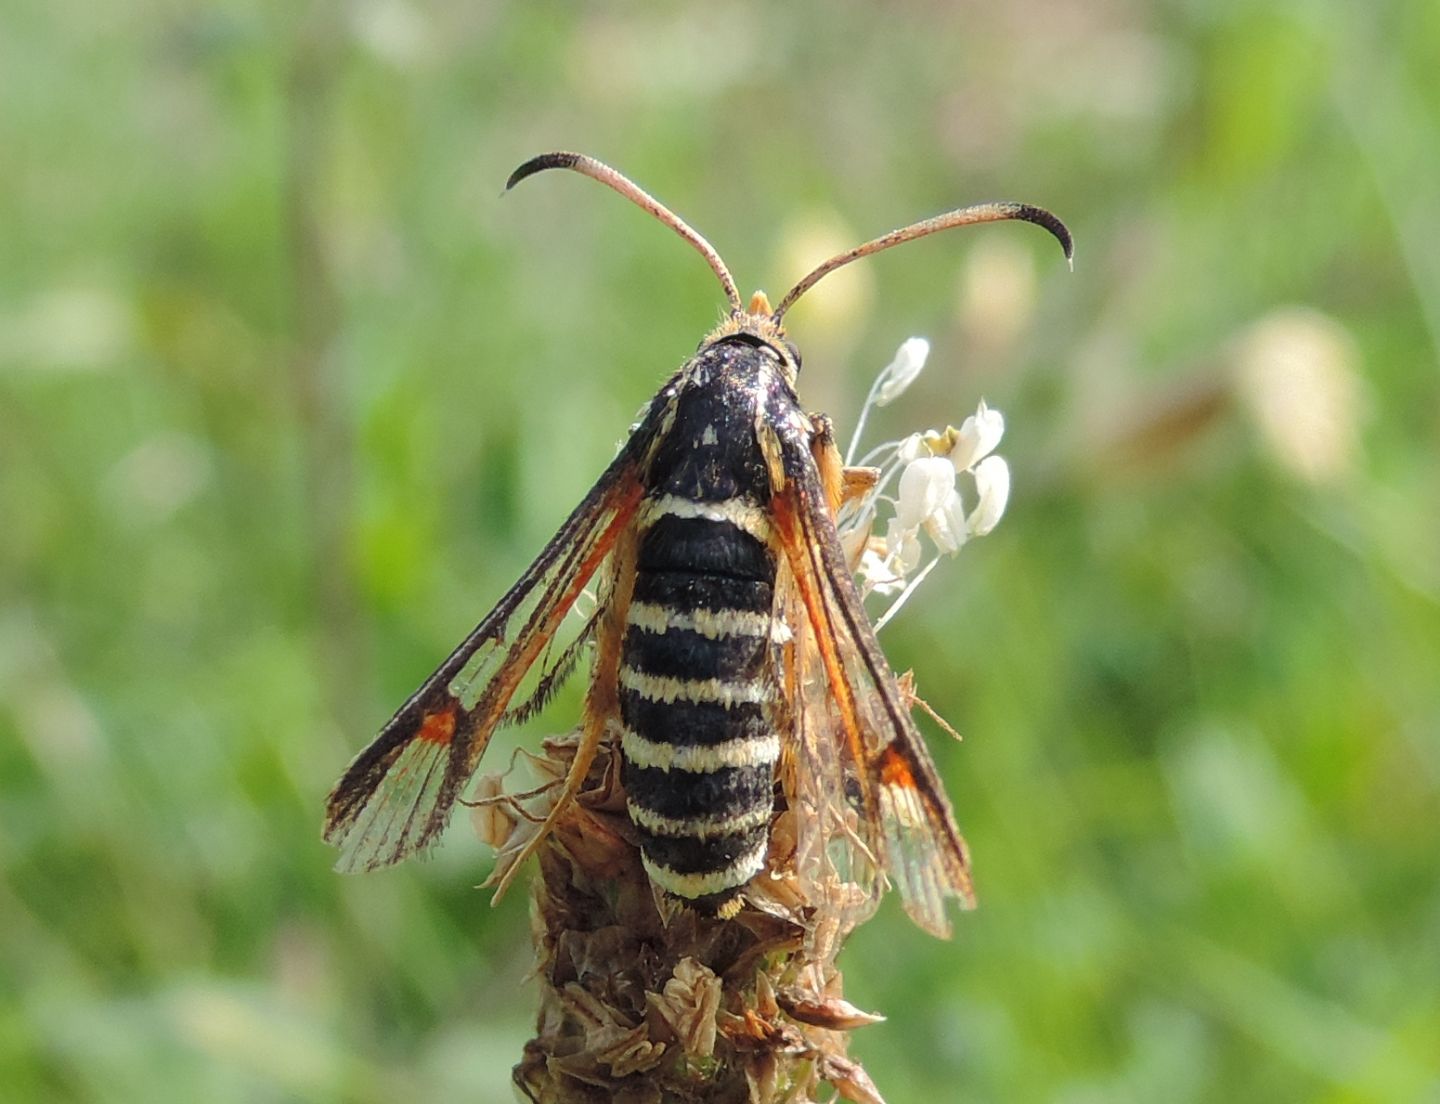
397 795
907 818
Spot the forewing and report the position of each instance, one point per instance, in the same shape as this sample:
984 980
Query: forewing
906 818
397 795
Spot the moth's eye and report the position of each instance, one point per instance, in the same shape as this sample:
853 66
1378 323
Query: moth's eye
794 352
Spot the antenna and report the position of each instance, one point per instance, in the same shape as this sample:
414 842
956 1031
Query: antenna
597 170
965 216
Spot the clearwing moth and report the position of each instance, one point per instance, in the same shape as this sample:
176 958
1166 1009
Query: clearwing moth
729 627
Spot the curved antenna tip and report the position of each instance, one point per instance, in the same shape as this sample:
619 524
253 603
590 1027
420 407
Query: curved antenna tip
1028 212
561 159
604 174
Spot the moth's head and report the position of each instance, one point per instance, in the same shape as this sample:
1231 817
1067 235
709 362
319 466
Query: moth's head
757 325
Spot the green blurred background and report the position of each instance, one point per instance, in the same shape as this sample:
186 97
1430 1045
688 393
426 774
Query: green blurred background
288 396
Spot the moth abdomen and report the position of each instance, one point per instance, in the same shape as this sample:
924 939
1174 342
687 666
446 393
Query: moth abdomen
709 545
698 746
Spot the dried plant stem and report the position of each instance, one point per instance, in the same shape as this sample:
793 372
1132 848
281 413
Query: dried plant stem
643 1000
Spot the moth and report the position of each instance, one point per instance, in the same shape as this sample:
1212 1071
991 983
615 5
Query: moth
734 666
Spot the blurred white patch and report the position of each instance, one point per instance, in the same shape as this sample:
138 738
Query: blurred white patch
158 477
1297 374
995 299
392 30
59 726
240 1029
647 54
836 308
71 329
55 722
1116 73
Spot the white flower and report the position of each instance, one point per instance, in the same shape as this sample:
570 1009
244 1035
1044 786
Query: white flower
901 372
948 526
927 496
876 576
978 436
992 486
924 486
903 549
912 448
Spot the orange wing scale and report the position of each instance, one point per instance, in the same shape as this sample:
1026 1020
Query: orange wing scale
438 728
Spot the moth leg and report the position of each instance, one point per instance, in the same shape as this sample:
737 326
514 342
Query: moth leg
909 694
602 703
841 484
857 482
828 461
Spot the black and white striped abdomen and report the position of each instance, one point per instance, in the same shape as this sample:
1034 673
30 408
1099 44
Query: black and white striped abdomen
699 747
